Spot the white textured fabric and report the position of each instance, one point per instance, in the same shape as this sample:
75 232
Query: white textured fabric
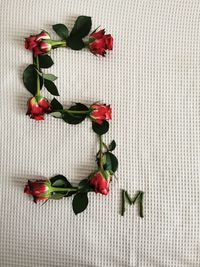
151 78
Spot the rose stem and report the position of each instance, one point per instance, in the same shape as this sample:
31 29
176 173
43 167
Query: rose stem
56 189
38 77
101 151
56 44
77 111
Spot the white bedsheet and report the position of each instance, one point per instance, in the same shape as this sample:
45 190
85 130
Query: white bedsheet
151 79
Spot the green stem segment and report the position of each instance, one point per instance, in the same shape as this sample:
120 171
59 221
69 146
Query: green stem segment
128 198
38 76
123 202
105 146
141 205
136 198
59 189
101 152
56 44
76 111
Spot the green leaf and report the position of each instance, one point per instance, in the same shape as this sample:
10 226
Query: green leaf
56 114
82 26
112 145
49 77
75 118
80 202
69 194
100 129
61 30
84 186
111 162
45 61
79 106
83 183
72 119
51 87
56 105
30 79
75 42
60 181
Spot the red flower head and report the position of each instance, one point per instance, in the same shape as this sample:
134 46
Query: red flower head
100 112
37 43
100 183
39 189
100 42
30 42
38 107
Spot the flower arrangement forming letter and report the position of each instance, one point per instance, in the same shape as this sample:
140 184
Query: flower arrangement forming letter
34 79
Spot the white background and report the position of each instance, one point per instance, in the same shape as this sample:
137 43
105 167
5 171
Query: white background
151 79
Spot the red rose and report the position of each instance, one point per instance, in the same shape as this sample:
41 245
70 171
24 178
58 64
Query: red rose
37 108
37 43
41 48
109 41
39 189
100 183
100 112
98 35
100 42
30 42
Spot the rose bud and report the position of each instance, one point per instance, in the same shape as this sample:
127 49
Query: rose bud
100 183
37 43
100 112
41 48
37 107
39 189
100 42
30 42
